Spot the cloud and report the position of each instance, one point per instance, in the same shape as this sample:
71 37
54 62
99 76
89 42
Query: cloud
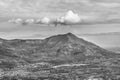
45 20
16 21
21 21
70 17
29 21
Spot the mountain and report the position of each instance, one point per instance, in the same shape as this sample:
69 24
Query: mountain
58 49
70 46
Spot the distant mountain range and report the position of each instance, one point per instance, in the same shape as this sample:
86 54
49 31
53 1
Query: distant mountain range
58 49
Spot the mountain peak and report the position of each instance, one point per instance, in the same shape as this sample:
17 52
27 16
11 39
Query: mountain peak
62 38
69 34
66 36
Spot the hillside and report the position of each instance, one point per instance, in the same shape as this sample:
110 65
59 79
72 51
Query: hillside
60 57
62 48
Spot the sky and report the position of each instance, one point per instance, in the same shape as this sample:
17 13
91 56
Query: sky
91 11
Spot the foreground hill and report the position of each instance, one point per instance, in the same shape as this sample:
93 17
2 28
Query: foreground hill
59 57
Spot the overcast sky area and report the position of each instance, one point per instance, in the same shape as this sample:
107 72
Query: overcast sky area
93 11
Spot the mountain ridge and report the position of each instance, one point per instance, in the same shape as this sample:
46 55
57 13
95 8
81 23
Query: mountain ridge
61 48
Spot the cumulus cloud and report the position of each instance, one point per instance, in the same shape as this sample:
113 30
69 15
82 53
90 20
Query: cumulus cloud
45 20
11 21
21 21
70 18
16 21
61 19
29 21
